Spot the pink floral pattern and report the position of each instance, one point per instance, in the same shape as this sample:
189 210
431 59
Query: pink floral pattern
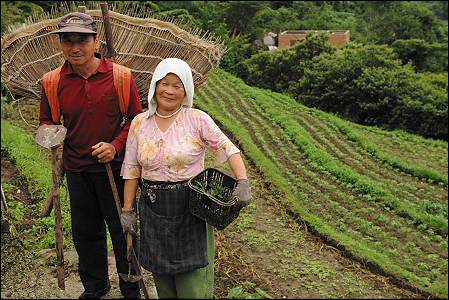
176 154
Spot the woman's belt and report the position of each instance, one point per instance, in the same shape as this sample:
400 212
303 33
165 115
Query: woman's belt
149 186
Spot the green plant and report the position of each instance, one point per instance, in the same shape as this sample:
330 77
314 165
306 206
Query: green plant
16 209
8 190
217 191
240 292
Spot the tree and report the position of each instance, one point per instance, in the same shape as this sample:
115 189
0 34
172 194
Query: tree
17 12
424 56
376 9
276 71
239 16
370 86
234 61
405 20
438 7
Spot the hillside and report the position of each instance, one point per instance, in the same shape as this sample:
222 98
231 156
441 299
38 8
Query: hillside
334 203
380 197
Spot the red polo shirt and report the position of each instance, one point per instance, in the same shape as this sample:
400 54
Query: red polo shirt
91 114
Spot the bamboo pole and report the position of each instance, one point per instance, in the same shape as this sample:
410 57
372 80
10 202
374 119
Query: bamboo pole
108 31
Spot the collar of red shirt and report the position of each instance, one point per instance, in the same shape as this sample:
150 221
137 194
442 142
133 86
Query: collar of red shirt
105 66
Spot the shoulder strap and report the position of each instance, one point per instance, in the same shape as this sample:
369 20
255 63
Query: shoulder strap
51 84
122 81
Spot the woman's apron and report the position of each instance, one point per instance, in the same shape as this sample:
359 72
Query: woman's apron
172 240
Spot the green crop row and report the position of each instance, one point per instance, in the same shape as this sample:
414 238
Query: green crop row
324 162
379 173
215 83
344 217
37 169
352 132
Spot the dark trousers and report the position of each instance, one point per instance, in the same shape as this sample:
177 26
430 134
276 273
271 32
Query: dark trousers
92 207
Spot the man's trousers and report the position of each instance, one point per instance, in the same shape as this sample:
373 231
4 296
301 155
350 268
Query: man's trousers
92 207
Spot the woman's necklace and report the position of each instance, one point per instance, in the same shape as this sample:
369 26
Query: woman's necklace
166 117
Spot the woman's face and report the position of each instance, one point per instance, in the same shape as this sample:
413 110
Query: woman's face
169 93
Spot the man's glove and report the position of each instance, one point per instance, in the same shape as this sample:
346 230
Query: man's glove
242 193
129 221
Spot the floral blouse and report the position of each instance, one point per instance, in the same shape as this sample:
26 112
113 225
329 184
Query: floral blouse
176 154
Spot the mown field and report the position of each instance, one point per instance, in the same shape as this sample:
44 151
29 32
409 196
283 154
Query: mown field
381 197
378 197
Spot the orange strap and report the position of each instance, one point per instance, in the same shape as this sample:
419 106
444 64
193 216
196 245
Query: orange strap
51 85
122 82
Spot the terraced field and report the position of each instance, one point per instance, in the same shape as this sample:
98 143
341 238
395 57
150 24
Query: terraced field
380 197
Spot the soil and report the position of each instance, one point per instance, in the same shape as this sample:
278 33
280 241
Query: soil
24 278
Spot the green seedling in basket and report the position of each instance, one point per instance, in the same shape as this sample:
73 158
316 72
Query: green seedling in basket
219 192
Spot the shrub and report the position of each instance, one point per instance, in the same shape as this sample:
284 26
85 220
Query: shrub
368 85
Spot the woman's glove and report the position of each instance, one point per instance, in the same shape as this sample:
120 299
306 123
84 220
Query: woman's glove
129 221
242 193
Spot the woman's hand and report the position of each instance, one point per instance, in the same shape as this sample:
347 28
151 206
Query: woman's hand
129 221
242 193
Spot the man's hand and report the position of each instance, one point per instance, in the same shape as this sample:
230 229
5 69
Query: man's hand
242 193
105 152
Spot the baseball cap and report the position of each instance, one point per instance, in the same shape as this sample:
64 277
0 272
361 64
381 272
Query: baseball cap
77 22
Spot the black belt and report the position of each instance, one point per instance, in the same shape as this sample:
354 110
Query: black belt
149 186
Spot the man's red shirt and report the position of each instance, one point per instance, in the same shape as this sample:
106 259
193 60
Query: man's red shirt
91 114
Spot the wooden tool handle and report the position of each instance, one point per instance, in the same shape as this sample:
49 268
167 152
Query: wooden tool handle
133 258
131 254
49 202
58 221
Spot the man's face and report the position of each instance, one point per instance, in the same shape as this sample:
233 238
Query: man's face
79 48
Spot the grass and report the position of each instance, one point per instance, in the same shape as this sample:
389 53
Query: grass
29 161
36 168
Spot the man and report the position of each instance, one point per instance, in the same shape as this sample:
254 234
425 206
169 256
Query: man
90 107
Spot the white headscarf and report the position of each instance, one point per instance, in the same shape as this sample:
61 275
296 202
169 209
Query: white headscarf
175 66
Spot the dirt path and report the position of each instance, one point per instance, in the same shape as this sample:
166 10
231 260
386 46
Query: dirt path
29 280
23 277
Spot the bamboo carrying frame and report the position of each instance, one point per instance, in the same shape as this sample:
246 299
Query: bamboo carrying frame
141 41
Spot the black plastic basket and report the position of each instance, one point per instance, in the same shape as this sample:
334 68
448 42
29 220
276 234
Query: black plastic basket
208 208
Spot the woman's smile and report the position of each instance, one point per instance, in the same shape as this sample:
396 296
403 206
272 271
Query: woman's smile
170 94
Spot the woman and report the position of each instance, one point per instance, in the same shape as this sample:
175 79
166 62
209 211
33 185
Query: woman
166 147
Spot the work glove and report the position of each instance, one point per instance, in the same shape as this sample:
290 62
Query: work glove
129 222
242 193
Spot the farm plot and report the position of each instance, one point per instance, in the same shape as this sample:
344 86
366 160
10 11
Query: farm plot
368 192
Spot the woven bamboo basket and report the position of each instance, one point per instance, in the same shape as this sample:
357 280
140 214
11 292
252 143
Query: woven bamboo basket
141 41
